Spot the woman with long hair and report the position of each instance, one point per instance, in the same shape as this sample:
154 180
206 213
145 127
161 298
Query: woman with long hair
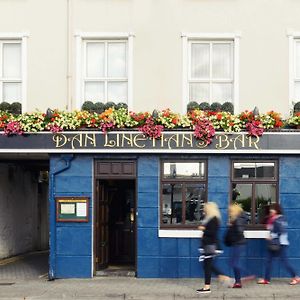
210 227
277 244
235 239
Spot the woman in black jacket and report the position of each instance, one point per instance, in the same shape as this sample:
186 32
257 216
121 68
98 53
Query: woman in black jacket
210 227
235 239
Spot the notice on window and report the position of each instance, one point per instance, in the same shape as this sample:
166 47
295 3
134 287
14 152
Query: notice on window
81 209
67 208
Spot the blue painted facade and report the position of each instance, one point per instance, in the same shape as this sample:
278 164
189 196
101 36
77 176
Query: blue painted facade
71 243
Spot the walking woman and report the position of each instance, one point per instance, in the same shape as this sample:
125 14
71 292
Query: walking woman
235 239
277 244
210 227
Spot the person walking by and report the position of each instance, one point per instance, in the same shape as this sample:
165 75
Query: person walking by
234 238
210 246
277 244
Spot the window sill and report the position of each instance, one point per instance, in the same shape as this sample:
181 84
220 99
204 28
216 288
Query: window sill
249 234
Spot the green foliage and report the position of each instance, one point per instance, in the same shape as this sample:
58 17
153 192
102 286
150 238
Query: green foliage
110 105
216 106
192 106
204 106
99 107
228 106
122 105
16 108
4 106
297 107
88 106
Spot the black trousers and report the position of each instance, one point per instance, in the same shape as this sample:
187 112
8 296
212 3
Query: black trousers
209 269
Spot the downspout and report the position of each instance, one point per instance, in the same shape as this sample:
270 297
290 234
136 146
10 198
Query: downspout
52 235
69 53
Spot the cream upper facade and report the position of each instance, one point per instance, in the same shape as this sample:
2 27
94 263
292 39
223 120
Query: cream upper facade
153 53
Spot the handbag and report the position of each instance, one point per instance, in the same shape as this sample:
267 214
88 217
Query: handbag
274 245
210 249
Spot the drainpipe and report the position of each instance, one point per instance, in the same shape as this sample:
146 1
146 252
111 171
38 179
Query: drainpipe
52 238
69 53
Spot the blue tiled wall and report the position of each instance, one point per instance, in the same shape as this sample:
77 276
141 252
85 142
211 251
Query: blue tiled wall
170 257
71 243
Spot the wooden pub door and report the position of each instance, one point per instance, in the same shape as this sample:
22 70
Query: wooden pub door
114 233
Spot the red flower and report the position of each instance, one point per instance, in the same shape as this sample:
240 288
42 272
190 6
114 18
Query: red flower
219 117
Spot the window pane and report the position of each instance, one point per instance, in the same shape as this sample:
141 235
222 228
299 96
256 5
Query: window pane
117 60
222 92
172 203
12 92
12 60
95 59
200 61
265 196
297 90
297 58
195 198
199 92
187 170
94 91
242 194
222 61
262 170
117 91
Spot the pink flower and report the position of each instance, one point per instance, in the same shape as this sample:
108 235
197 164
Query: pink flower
13 127
204 130
55 128
255 128
151 129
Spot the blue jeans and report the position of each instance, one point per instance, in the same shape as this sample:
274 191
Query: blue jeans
234 260
283 259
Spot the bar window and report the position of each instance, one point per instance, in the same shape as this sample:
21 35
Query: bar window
183 193
254 185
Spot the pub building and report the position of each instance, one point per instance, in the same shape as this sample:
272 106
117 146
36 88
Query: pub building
121 201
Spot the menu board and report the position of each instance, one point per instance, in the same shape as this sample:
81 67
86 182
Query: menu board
72 209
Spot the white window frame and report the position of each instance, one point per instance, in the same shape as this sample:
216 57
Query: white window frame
81 40
22 39
293 38
187 39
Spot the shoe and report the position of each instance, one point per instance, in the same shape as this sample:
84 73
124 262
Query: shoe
203 291
237 286
295 281
263 281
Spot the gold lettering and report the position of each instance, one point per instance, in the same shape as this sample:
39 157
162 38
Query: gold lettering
173 138
240 138
91 139
223 142
137 138
201 144
251 143
162 139
108 142
188 138
77 138
128 139
60 140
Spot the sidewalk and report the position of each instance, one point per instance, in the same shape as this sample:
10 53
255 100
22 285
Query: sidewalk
115 288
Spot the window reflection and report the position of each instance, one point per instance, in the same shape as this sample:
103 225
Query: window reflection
172 203
195 197
265 196
186 170
242 194
262 170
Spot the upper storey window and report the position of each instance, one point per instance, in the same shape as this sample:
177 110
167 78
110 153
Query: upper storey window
211 71
105 71
11 70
